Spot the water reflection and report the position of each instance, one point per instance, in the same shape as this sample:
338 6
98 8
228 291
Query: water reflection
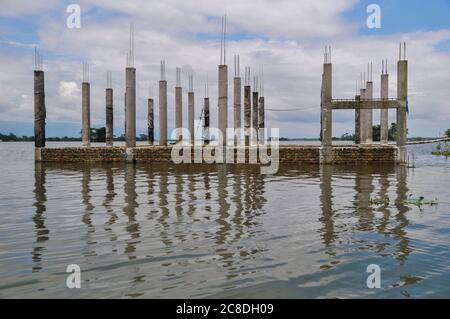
39 219
169 222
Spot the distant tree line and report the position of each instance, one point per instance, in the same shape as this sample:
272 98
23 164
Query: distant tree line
98 135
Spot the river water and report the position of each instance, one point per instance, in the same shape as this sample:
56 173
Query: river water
185 231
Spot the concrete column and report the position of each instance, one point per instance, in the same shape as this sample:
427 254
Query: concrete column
130 107
326 110
402 96
162 113
247 114
362 120
206 122
39 109
357 122
191 116
178 113
150 125
109 117
369 114
223 102
255 118
86 113
384 121
237 110
261 121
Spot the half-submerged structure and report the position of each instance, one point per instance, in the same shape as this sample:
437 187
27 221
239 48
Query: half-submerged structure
252 121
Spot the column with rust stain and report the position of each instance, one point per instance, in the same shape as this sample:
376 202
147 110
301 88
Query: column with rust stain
109 117
150 125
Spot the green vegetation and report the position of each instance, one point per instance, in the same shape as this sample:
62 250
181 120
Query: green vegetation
447 133
419 202
442 149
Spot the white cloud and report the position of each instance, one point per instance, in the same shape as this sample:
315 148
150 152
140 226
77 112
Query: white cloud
291 50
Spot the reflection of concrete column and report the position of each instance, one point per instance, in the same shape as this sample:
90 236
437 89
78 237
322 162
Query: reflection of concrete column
401 218
129 210
326 195
41 230
402 96
384 121
247 114
130 109
162 113
39 109
109 117
86 113
223 103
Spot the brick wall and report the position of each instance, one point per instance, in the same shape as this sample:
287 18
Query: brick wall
287 154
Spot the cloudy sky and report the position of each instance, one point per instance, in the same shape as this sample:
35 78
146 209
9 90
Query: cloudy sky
287 37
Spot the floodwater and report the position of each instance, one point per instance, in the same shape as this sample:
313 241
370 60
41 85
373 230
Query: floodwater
184 231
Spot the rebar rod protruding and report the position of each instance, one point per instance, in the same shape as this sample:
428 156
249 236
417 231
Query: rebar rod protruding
404 50
130 55
163 70
108 79
178 76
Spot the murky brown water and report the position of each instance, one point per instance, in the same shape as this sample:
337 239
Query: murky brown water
163 231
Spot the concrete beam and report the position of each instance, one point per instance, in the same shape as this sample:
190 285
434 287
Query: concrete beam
39 109
86 113
130 107
364 104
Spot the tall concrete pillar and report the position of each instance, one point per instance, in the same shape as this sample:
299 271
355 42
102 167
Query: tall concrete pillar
39 109
178 113
150 125
384 121
402 96
261 121
357 122
362 120
255 117
109 117
223 103
130 107
86 113
206 121
369 114
191 116
326 107
163 113
247 114
237 110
